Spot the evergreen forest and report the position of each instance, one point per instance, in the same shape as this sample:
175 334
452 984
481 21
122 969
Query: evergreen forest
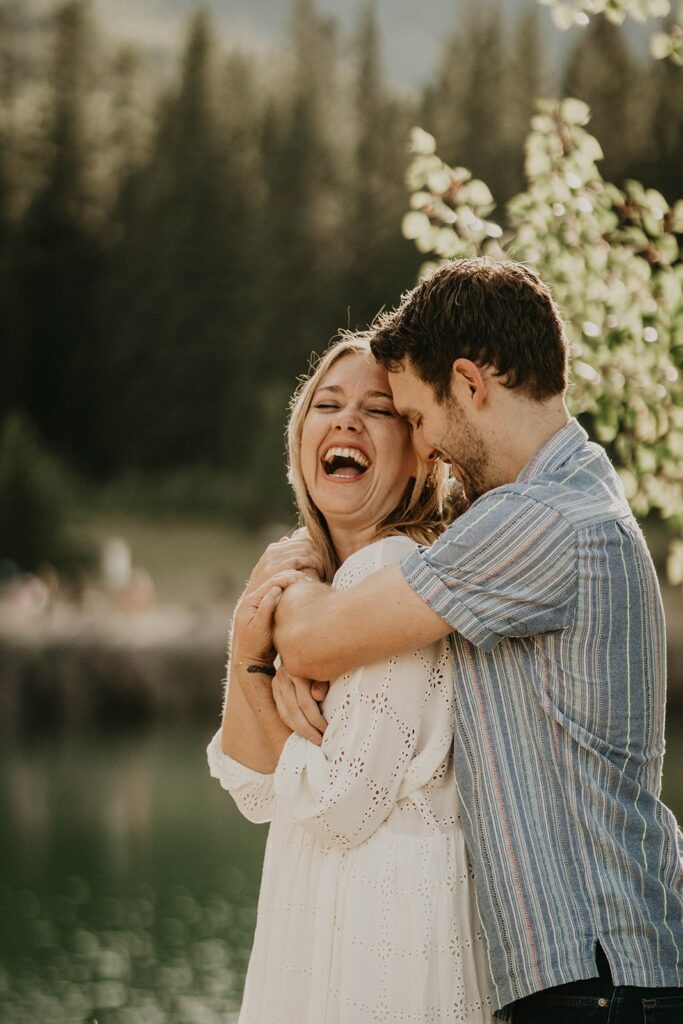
174 246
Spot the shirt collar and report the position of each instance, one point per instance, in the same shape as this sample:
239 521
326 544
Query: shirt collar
556 450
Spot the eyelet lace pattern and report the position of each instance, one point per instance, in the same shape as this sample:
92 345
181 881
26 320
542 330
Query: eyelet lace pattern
367 907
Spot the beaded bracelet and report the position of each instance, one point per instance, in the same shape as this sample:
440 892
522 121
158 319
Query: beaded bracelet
255 669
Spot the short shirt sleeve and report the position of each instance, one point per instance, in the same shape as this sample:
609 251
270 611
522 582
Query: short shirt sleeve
506 568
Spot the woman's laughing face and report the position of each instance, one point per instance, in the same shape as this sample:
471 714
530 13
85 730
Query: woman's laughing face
356 451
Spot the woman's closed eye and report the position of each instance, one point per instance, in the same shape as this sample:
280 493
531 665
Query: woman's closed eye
333 407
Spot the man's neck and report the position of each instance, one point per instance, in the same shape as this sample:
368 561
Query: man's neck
536 423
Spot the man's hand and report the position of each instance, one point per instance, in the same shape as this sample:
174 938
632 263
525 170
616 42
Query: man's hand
252 630
289 553
297 706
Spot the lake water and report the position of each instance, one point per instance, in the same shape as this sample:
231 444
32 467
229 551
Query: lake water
128 881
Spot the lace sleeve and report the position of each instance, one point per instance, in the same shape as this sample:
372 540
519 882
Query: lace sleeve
344 790
251 791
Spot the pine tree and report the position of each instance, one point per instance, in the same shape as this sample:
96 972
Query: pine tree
12 379
486 146
35 500
303 210
468 108
526 86
443 112
59 261
603 72
242 115
661 161
174 288
381 262
128 133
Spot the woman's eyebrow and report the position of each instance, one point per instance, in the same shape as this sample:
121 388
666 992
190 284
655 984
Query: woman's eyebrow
368 394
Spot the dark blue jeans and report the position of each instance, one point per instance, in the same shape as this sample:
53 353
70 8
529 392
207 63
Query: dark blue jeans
598 1001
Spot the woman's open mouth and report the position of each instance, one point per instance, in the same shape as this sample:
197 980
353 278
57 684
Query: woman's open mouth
344 463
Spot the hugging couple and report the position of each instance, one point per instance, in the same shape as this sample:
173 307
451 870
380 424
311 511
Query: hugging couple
467 822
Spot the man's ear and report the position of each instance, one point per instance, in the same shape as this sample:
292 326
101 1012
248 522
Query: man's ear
468 382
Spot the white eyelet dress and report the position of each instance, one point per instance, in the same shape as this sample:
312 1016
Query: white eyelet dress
366 911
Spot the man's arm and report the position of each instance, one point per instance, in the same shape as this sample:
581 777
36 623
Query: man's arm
506 568
321 633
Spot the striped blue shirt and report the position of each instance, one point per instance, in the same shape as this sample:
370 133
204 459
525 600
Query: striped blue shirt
560 668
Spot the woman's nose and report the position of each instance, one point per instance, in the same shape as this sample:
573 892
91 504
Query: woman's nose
347 419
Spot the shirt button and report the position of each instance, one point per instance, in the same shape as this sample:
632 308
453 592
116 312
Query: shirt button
603 1003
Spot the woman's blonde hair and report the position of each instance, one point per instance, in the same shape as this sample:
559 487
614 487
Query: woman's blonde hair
431 499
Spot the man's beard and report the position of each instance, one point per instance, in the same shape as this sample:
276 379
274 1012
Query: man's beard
465 447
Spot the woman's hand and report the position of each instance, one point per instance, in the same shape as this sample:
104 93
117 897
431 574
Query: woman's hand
297 706
252 627
295 552
251 672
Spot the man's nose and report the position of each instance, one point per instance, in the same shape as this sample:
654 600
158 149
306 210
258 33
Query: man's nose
423 449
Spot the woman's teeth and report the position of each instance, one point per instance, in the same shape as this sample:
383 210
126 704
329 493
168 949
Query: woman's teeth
345 463
347 453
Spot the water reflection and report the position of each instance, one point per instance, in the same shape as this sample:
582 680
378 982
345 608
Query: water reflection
123 959
129 881
129 884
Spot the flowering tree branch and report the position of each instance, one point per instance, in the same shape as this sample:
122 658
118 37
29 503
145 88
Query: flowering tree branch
612 259
667 42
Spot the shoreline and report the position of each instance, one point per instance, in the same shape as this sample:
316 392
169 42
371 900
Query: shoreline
166 664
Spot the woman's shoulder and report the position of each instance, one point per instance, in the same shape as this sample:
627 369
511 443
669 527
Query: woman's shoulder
374 556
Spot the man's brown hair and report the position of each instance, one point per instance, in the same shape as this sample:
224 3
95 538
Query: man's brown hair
497 314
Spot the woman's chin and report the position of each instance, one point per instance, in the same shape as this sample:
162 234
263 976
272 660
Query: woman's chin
355 500
337 499
342 506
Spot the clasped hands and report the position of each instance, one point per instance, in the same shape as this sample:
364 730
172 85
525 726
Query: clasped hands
283 563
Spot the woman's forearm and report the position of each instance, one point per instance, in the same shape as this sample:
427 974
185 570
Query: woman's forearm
253 732
247 735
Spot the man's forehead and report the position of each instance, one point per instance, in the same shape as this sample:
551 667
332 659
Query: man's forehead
403 406
399 378
405 385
